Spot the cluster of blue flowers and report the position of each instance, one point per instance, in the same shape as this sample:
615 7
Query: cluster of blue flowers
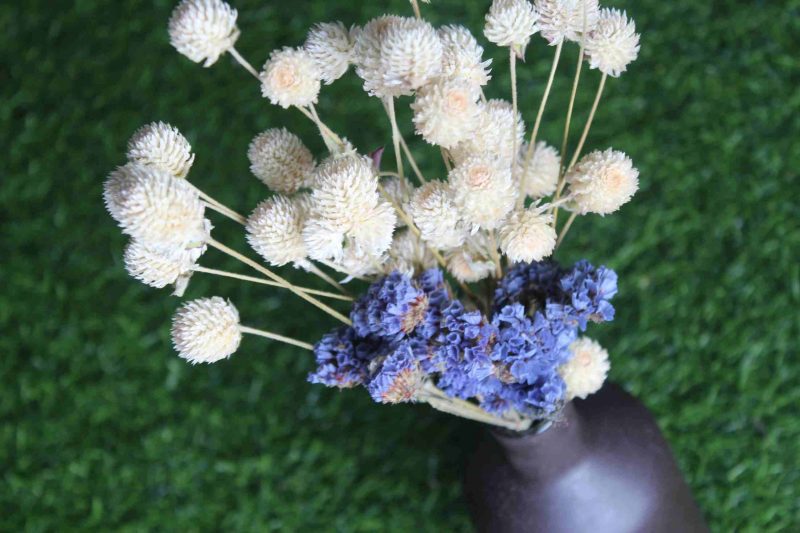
407 330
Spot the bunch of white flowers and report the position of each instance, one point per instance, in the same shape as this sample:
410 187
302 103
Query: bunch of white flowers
342 215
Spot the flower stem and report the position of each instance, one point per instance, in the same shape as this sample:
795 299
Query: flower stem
243 62
446 159
411 160
456 406
389 102
276 337
226 212
262 281
314 269
539 115
565 229
495 256
571 108
512 59
588 125
415 7
276 278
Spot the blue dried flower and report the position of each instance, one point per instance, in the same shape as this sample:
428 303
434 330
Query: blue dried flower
391 308
585 294
399 377
528 283
343 359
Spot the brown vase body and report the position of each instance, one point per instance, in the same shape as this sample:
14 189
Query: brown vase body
604 467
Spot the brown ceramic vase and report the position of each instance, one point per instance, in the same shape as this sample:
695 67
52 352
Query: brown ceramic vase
603 468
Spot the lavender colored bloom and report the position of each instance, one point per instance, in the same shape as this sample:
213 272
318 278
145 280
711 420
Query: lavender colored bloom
585 294
391 308
339 362
398 378
530 284
433 284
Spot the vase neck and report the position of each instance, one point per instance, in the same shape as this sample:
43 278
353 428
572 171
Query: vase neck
548 453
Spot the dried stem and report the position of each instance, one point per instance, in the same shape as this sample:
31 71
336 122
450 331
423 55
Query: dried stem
495 256
411 160
539 115
571 108
446 159
276 278
588 126
565 229
415 7
226 212
389 103
314 269
512 58
262 281
276 337
243 62
456 406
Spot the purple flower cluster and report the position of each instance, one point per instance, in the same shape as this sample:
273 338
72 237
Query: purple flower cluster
409 330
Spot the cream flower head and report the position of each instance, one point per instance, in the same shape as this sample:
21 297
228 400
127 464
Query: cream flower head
446 112
540 176
281 161
275 231
409 255
471 262
203 30
483 191
162 146
206 330
495 134
613 44
566 19
155 208
159 268
528 236
330 45
511 23
586 371
435 214
344 188
462 56
290 78
602 182
397 55
373 232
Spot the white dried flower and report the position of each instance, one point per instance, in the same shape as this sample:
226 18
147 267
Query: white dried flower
471 262
206 330
203 30
436 216
409 255
290 78
483 191
462 56
528 236
330 45
446 112
162 146
323 241
396 190
586 371
613 44
275 231
540 177
602 182
344 189
397 55
566 19
495 133
155 208
281 161
373 231
511 23
157 267
357 263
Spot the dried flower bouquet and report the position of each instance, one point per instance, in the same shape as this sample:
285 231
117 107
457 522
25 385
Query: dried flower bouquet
464 309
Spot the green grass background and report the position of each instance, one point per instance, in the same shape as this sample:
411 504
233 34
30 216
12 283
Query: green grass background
103 427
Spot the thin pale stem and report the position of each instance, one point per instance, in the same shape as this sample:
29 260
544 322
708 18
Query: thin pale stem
512 58
314 269
276 337
565 229
395 134
455 406
226 212
220 207
571 107
446 159
588 125
243 62
276 278
411 160
415 7
336 268
262 281
498 266
539 115
331 144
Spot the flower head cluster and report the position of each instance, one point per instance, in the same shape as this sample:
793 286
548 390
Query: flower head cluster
462 56
528 236
602 182
538 177
484 190
330 46
434 212
159 268
561 20
281 161
206 330
613 43
586 371
275 231
497 133
290 78
511 23
447 112
203 30
161 146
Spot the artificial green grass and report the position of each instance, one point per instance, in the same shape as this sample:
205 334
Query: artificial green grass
103 427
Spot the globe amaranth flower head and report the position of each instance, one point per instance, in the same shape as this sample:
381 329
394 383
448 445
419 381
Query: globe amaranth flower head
203 30
392 307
